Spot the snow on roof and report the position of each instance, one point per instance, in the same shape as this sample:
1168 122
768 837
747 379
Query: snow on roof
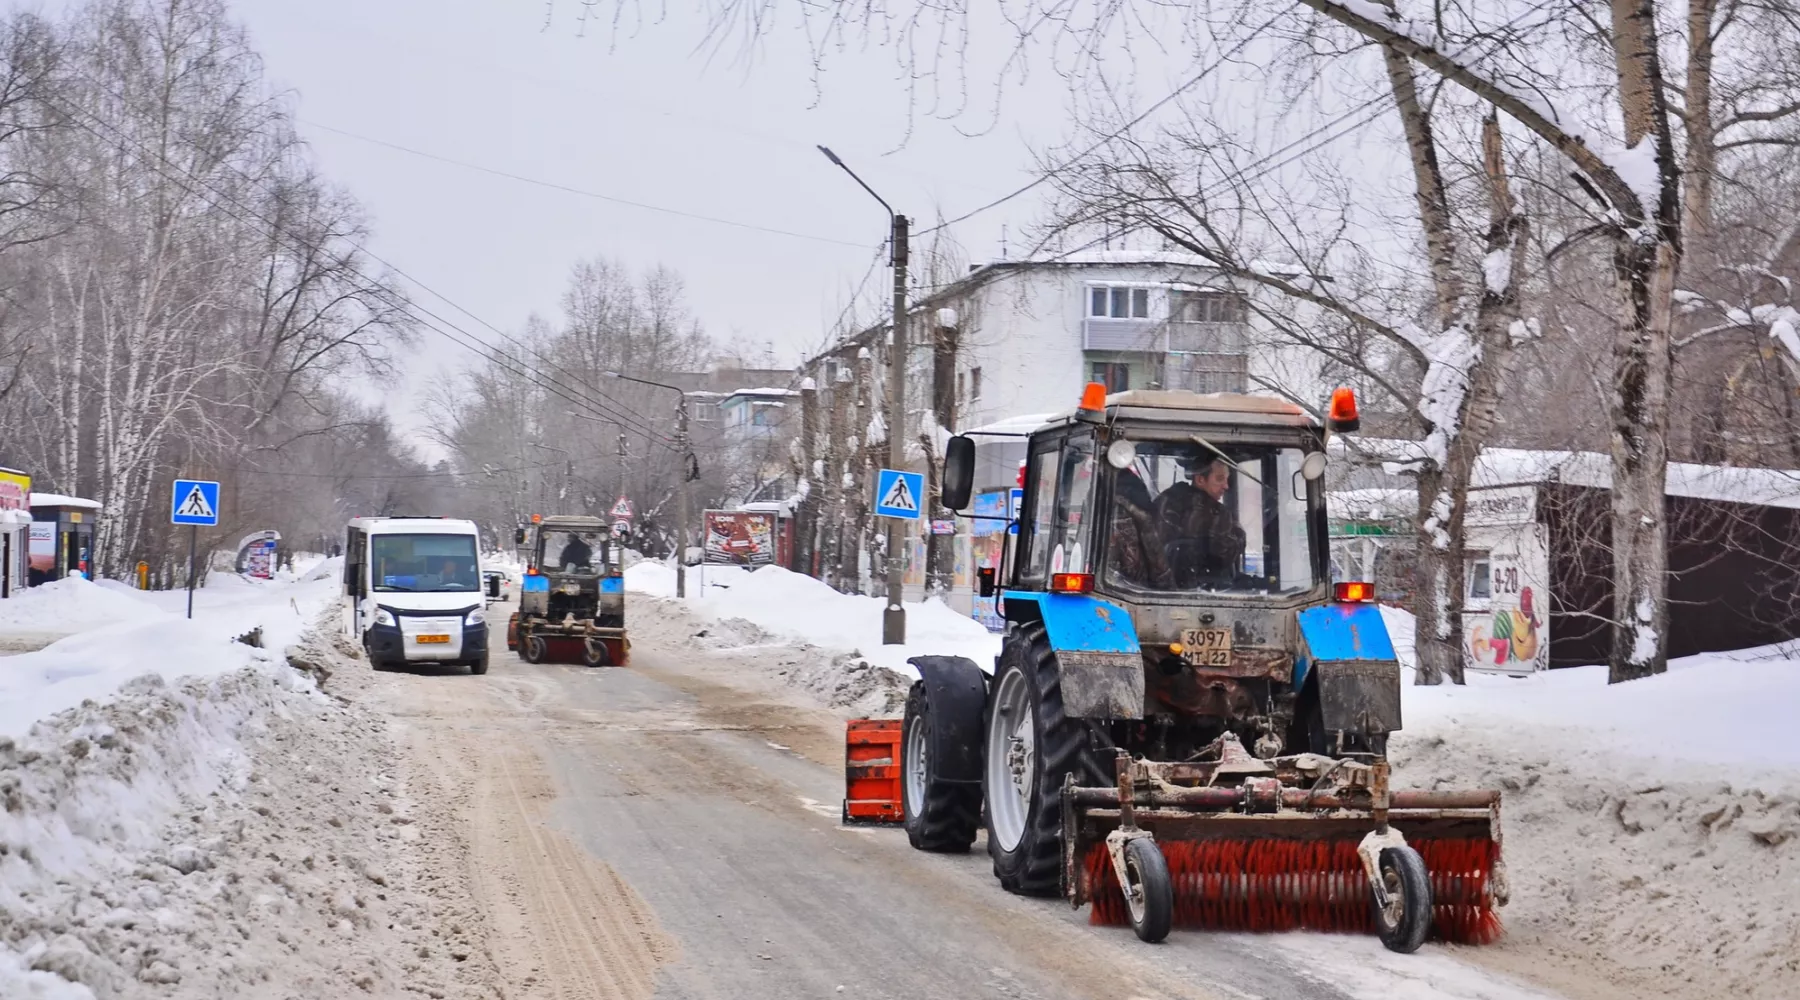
60 500
1519 466
1023 424
1121 257
1768 487
765 391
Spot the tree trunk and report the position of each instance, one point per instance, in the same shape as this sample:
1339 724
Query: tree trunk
1437 596
940 550
1434 206
1646 261
1702 151
860 527
839 456
1438 584
806 513
1641 369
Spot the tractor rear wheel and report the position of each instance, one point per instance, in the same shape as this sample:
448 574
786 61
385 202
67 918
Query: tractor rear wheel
940 815
1031 746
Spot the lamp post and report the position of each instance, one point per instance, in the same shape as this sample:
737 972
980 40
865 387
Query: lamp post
688 473
893 618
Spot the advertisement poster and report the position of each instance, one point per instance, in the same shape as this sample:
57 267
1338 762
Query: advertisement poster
1510 637
986 544
43 546
739 538
1506 610
256 554
15 490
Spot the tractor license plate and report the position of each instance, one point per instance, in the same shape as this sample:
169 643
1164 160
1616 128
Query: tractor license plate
423 639
1206 647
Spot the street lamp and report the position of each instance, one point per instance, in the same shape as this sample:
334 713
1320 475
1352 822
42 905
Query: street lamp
688 473
893 618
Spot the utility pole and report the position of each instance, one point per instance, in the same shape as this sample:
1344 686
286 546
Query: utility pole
688 472
893 617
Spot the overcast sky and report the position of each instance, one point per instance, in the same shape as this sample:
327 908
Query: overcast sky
645 116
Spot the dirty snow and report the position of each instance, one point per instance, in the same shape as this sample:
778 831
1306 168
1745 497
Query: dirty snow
236 835
1652 828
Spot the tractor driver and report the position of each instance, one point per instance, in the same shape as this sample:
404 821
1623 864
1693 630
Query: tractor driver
576 553
1199 530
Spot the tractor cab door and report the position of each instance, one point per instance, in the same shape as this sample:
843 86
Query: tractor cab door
1057 521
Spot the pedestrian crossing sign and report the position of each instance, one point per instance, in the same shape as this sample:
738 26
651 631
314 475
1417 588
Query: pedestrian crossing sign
898 494
194 501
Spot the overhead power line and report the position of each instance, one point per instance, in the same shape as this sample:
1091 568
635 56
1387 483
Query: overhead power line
554 186
420 314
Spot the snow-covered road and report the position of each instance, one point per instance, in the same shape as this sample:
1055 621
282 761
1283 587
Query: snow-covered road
671 829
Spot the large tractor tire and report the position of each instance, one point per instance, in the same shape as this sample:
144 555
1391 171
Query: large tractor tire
1031 746
941 814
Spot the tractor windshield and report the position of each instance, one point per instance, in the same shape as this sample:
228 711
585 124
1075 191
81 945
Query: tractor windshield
1189 518
575 553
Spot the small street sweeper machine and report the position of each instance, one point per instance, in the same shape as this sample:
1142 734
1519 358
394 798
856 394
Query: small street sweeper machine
1187 724
572 598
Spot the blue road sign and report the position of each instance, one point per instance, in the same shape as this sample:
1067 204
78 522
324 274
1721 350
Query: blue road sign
899 494
1015 498
195 501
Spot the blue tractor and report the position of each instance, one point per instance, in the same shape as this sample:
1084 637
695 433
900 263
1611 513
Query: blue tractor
1188 721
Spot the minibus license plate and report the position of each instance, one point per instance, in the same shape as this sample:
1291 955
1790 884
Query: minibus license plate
433 638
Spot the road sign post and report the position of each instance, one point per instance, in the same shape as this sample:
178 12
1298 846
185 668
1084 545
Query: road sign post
194 502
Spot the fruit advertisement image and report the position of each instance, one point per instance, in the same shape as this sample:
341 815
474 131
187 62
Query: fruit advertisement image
1508 635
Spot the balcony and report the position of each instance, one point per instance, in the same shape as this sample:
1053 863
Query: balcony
1149 336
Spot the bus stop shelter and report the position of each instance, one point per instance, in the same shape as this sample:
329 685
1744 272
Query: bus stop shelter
62 537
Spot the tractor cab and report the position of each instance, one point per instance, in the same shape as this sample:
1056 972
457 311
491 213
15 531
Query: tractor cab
1202 517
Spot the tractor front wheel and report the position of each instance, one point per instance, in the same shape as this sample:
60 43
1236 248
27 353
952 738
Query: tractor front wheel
594 654
533 649
1149 891
1406 919
1031 746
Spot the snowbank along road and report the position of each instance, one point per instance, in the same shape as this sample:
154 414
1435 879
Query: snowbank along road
305 828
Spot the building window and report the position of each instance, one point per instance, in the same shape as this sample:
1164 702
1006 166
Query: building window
974 384
1209 307
1481 577
1115 375
1207 372
1107 302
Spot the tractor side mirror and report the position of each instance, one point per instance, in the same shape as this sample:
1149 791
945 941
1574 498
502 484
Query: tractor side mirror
984 581
519 536
959 472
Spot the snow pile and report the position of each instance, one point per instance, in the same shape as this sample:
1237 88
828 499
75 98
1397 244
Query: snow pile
73 605
1653 825
240 835
797 607
148 636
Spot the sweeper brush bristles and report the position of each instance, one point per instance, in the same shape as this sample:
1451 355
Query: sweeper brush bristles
1285 885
